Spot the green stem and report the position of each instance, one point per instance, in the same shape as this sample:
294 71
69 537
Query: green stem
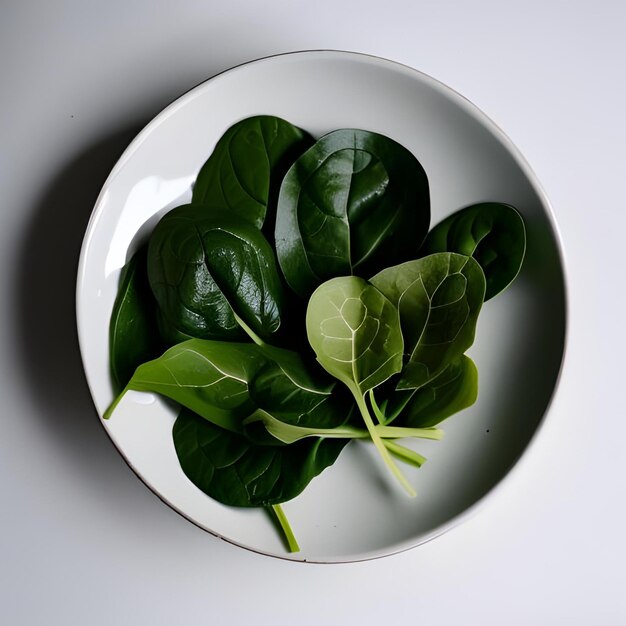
377 412
283 522
380 411
380 446
249 331
400 432
290 433
109 411
404 454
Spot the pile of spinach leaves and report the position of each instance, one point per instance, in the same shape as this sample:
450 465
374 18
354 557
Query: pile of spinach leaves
292 249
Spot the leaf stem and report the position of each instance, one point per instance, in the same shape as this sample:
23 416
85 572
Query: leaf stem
107 414
290 433
399 432
387 419
283 522
405 454
377 412
380 446
249 331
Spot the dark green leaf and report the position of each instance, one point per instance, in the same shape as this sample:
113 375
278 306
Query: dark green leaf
234 471
492 233
353 203
206 266
279 392
455 389
133 334
169 335
245 169
438 298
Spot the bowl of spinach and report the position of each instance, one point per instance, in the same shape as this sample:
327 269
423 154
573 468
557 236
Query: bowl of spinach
318 289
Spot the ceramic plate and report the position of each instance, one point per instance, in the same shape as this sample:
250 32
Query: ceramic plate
353 510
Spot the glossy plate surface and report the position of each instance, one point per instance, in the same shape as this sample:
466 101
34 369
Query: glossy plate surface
352 511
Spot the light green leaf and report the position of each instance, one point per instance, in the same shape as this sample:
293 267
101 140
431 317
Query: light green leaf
355 332
208 377
455 389
438 298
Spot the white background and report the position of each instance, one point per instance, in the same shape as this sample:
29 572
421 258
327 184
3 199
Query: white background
82 541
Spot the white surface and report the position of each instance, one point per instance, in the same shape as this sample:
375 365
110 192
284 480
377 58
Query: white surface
467 160
83 540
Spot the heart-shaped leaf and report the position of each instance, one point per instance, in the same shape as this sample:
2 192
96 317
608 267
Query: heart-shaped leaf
490 232
354 202
206 266
455 389
438 299
355 333
244 171
232 470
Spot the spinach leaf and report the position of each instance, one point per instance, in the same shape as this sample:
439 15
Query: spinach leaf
438 298
244 170
281 392
355 201
208 377
289 411
133 334
284 397
293 393
170 336
355 333
492 233
455 389
205 267
232 470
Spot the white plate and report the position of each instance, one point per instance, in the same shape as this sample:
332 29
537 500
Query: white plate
353 510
